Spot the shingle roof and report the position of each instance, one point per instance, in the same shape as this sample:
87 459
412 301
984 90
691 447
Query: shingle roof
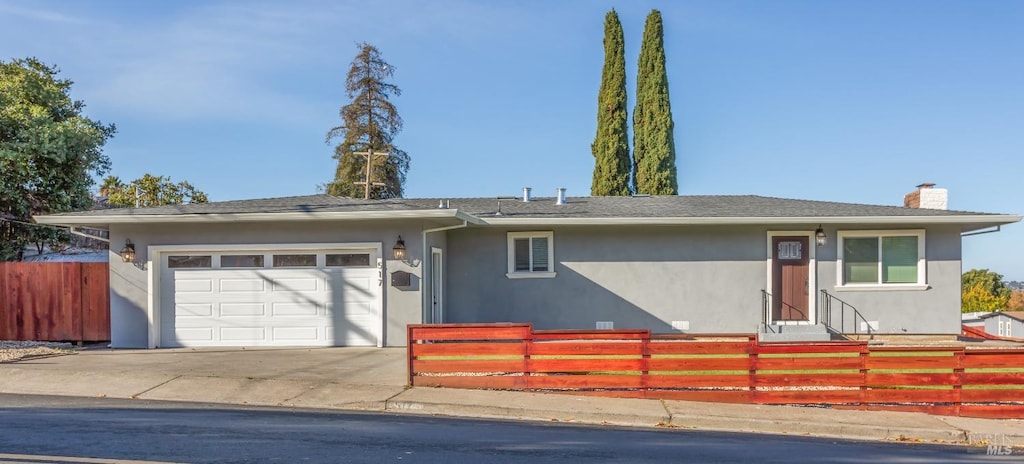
693 206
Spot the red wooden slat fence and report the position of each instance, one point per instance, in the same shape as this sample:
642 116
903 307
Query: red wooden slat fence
55 301
949 380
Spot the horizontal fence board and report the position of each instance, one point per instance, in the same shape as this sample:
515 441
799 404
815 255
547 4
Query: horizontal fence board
806 396
993 378
1006 411
511 348
808 380
972 395
698 364
469 333
683 381
466 365
845 347
941 410
492 382
816 363
586 348
714 396
1000 360
585 365
583 381
911 362
611 334
890 380
686 347
909 396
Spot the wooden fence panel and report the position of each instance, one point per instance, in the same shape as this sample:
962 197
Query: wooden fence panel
723 368
54 301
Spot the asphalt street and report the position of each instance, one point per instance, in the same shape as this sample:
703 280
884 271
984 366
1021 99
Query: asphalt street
40 429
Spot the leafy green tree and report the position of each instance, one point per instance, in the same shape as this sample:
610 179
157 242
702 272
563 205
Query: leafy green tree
983 290
150 190
369 122
654 146
611 144
49 153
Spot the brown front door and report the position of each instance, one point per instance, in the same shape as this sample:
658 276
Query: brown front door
790 278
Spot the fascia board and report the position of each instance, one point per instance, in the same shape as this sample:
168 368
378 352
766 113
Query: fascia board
252 217
991 219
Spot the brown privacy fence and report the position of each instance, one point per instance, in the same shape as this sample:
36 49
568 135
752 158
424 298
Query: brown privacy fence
948 380
54 301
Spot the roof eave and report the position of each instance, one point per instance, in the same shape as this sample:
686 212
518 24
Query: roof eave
969 222
104 220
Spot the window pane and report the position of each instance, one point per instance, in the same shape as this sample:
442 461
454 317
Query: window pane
899 260
294 260
540 254
241 261
348 260
860 260
178 262
522 251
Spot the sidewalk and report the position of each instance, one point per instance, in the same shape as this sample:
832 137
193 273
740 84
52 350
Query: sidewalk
373 379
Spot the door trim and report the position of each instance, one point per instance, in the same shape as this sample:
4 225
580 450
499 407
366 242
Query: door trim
437 284
812 277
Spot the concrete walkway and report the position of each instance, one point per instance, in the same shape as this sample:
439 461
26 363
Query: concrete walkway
372 379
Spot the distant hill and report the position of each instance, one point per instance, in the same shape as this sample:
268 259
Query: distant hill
1014 285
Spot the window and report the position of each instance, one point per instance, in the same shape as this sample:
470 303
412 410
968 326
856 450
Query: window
348 260
883 259
1000 328
1009 333
241 260
531 254
295 260
185 262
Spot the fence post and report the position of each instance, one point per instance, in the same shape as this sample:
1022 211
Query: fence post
646 362
753 345
958 373
862 397
527 365
409 343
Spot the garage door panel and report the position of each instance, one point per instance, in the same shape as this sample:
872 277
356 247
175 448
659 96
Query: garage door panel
282 309
243 334
199 334
235 285
194 309
295 285
194 286
242 309
306 334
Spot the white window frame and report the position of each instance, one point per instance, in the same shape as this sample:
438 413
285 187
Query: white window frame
513 273
922 261
1001 325
1009 331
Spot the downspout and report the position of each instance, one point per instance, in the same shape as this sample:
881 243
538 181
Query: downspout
424 303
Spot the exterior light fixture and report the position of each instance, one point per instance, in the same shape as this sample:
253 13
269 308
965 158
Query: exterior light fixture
819 236
128 252
399 249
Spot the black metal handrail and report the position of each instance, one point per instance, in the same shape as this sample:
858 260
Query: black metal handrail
828 304
766 299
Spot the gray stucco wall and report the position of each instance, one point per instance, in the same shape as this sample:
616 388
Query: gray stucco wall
647 277
129 284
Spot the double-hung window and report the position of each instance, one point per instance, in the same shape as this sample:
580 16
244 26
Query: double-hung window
531 255
881 259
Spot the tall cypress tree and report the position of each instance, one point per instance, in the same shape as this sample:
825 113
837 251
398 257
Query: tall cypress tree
654 148
611 144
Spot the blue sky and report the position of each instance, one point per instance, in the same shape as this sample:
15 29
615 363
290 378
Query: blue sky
842 100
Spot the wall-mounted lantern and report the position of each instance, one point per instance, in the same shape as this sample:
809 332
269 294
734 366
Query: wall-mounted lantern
128 252
399 249
819 236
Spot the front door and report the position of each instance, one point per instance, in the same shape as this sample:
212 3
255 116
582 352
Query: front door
790 279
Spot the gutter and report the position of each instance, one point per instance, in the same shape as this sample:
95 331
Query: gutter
70 219
425 304
951 219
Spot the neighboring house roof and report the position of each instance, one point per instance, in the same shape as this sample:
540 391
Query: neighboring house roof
695 209
1018 315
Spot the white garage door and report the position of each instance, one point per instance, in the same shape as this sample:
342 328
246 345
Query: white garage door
270 298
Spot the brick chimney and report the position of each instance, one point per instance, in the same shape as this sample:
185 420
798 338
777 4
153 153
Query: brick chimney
928 197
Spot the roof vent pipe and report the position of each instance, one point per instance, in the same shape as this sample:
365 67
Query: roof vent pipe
561 196
526 194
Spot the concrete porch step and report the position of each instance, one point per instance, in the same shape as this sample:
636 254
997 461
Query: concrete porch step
794 333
